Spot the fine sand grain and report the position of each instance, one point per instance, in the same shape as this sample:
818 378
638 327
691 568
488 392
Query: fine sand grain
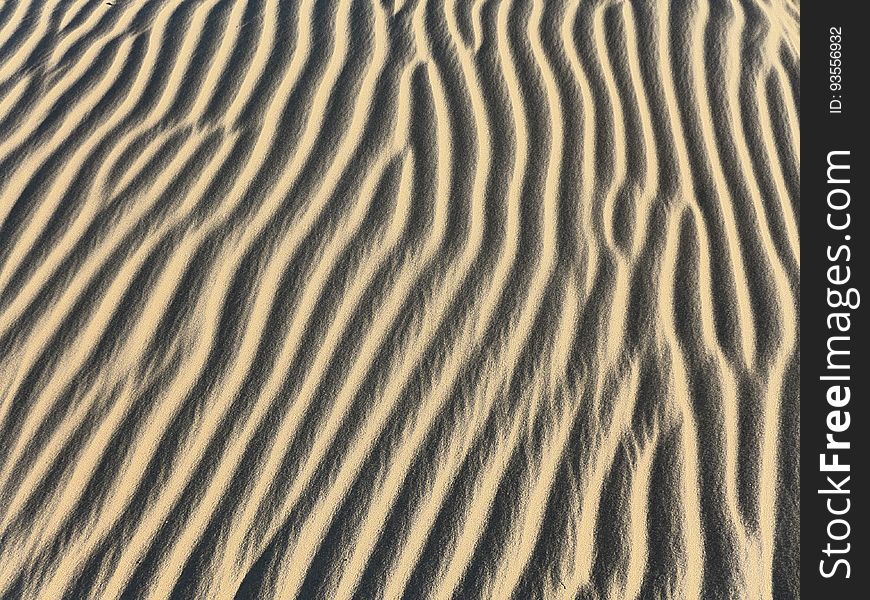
399 299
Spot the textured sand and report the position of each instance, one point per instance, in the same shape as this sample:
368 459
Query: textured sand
415 299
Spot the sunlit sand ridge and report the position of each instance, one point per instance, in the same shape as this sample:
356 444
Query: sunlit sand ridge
399 299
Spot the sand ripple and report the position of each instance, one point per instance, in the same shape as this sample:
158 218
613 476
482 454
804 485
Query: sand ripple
399 299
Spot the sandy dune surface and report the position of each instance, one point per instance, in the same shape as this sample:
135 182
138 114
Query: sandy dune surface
399 299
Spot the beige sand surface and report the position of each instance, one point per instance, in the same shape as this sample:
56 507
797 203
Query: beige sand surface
399 299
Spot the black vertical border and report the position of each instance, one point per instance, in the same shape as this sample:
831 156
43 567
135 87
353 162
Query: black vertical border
821 133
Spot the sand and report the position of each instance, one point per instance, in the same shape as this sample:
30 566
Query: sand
399 299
